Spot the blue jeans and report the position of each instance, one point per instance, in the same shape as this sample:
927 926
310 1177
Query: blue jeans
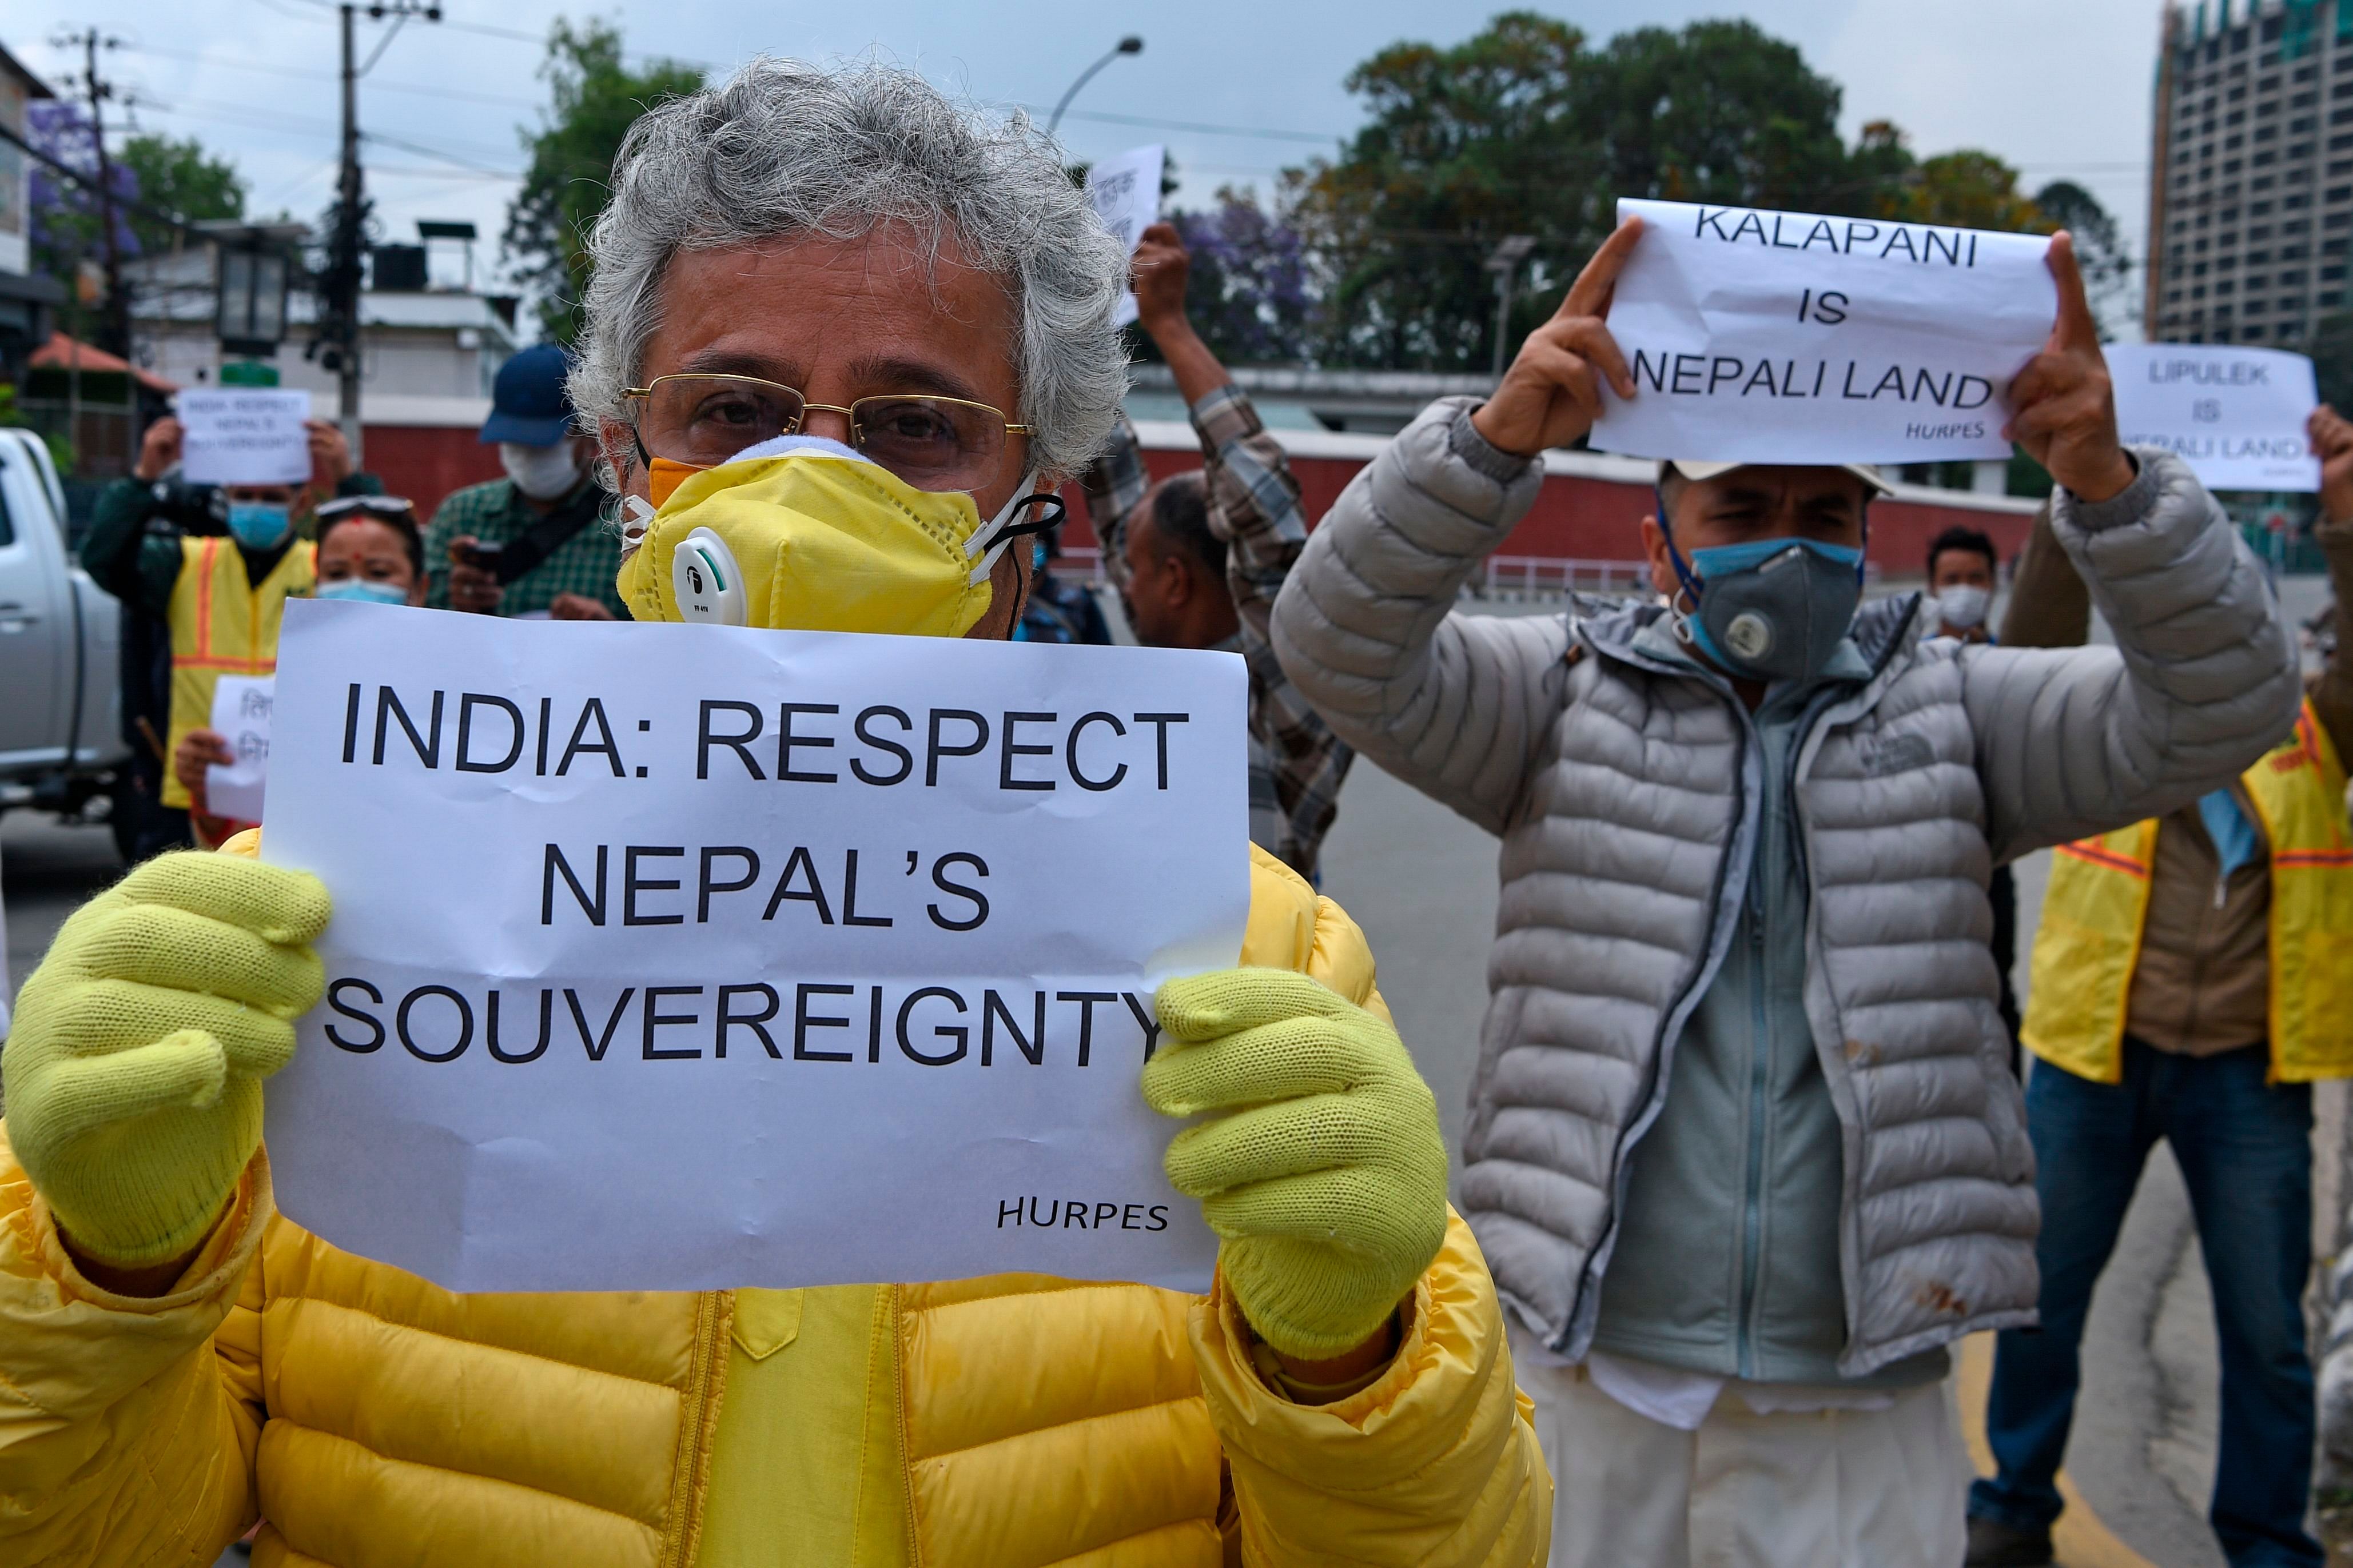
2244 1149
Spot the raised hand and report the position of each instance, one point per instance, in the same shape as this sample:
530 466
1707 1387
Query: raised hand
2062 405
2331 436
1552 393
159 448
1159 271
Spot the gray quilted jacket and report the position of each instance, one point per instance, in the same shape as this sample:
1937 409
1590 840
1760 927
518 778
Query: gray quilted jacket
1623 790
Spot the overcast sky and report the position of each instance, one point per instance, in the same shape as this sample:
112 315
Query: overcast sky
2060 88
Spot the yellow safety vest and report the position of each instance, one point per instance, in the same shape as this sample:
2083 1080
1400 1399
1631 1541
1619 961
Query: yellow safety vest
2089 941
223 624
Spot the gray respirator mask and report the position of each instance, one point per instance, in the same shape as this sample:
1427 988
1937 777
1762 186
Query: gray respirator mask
1770 609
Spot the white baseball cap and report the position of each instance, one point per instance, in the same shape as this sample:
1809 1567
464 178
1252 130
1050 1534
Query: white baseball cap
1692 470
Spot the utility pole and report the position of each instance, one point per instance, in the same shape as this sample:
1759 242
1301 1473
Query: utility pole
1505 265
114 331
339 291
343 317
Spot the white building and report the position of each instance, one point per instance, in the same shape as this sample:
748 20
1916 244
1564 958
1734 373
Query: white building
434 352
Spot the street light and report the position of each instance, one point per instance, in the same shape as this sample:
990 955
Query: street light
1505 265
252 269
1130 45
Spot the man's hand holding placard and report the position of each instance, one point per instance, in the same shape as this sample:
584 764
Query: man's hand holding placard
1552 394
2331 434
2066 409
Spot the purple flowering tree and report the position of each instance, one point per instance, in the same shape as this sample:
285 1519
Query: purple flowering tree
1248 294
68 241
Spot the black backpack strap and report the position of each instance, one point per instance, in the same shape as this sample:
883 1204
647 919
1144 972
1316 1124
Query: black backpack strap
527 551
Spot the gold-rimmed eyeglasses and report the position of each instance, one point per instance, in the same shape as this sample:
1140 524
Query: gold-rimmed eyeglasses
933 443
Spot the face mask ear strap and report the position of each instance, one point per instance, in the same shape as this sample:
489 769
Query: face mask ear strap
1690 583
1009 525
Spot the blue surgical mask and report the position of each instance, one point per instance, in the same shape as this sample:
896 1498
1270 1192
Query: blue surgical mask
359 590
1772 609
261 525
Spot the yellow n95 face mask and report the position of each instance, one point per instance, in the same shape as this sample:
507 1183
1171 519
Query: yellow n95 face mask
808 534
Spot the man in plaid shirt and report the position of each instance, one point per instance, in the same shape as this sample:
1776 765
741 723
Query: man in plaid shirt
533 543
1162 552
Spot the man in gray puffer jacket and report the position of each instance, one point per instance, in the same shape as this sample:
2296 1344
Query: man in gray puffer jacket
1746 1153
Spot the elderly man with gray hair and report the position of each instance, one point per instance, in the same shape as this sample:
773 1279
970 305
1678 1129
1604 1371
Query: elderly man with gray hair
1744 1148
849 337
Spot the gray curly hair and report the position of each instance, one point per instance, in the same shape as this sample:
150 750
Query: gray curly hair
783 149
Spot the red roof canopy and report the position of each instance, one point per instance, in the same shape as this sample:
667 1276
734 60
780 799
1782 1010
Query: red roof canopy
62 352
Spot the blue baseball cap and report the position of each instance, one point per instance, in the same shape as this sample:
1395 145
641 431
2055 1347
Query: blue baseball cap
528 403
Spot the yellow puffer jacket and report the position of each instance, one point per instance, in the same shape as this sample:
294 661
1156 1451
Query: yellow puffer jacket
373 1419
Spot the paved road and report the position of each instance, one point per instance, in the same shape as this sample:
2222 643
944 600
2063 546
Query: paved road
1422 883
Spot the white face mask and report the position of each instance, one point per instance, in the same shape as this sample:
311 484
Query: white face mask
1962 607
542 473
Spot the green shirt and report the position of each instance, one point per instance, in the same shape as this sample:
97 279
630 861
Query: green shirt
495 512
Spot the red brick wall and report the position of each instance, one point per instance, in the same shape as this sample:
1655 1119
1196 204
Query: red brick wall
1597 519
425 463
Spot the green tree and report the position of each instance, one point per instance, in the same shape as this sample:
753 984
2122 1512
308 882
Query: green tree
1463 146
1722 112
597 98
177 176
2099 250
1524 129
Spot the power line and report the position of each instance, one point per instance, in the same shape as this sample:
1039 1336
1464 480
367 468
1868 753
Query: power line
1205 127
423 150
297 73
484 176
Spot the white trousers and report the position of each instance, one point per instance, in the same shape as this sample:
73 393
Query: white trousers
1825 1489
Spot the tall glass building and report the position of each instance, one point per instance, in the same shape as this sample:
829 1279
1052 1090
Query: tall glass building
2251 194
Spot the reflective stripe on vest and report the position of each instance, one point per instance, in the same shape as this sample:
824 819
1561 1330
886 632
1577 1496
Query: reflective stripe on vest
2088 942
223 624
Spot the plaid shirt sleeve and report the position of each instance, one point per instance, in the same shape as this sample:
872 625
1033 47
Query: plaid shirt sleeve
1254 506
585 564
1113 484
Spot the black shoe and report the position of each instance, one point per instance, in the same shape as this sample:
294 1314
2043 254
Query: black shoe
1993 1544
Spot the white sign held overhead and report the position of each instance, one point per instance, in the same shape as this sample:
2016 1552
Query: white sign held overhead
1126 192
240 716
1791 338
2234 414
243 436
692 957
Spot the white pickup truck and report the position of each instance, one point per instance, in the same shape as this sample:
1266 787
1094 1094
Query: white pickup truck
60 634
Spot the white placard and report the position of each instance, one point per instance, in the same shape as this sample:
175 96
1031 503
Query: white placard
243 436
841 948
1774 337
241 706
1126 192
2236 415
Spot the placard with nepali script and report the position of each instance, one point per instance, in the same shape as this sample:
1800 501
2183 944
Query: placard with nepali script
681 957
2236 415
1770 337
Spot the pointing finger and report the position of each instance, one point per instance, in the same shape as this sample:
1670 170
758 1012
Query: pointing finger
2076 328
1593 340
1589 295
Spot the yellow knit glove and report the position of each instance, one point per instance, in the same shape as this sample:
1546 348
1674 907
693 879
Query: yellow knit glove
134 1074
1326 1176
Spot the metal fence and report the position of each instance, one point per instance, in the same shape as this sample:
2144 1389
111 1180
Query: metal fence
1555 576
